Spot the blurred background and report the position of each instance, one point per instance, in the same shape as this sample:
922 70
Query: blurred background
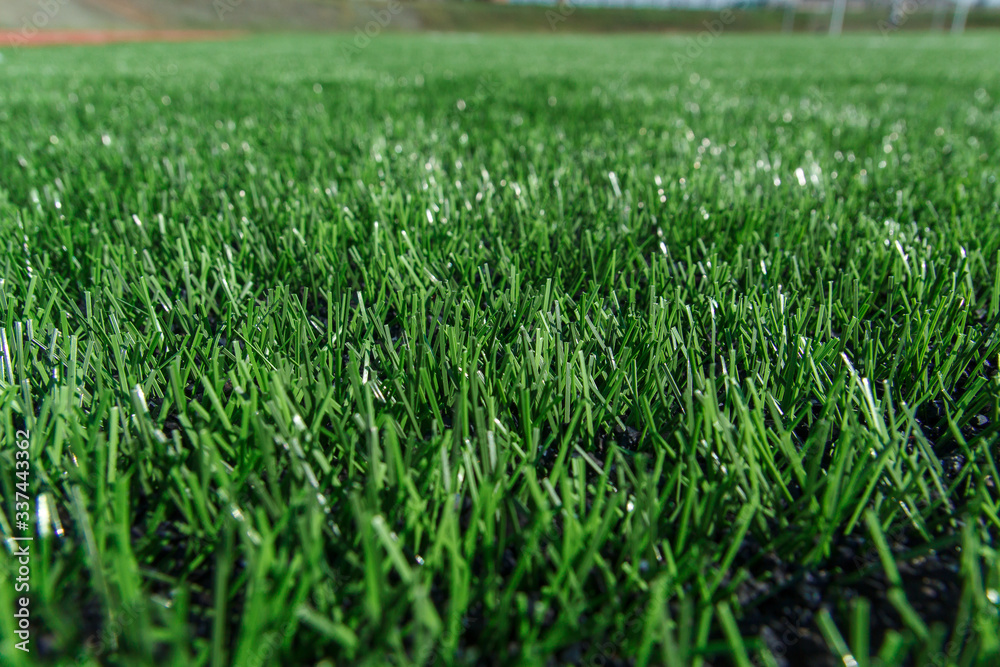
39 21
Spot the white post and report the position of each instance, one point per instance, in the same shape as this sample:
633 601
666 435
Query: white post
837 17
788 22
961 13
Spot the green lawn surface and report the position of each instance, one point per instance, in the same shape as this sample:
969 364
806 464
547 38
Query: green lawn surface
534 350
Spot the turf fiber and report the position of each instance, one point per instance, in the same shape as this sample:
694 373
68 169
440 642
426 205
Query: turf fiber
503 350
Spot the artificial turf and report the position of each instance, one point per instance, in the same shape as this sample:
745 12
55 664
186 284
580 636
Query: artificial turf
503 351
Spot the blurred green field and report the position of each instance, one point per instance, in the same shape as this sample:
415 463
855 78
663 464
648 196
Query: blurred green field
502 351
345 16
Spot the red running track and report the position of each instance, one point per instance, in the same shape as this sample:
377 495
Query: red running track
78 37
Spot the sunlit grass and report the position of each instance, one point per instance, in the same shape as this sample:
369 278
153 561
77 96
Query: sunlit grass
507 351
